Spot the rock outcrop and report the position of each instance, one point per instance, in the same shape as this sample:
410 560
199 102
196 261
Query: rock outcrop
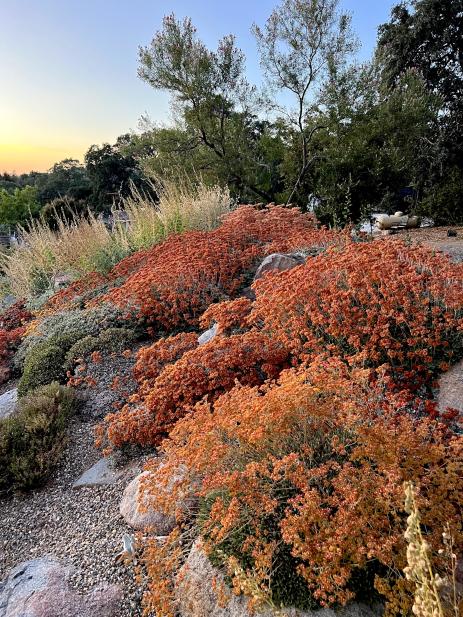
196 596
39 588
132 508
277 262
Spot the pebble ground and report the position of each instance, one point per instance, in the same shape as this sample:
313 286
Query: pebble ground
82 527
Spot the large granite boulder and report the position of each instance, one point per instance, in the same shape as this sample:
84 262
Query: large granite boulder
141 514
39 588
277 262
196 596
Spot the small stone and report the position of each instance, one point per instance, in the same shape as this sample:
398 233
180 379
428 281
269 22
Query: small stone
100 474
8 403
208 335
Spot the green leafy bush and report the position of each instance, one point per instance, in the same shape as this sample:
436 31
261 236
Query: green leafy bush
112 340
45 363
33 439
441 201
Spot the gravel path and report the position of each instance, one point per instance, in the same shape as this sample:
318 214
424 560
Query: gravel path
436 238
82 527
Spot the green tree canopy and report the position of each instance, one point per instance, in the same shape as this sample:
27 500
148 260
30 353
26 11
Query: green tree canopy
18 206
216 105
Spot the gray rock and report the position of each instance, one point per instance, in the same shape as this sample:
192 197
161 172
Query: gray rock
8 402
8 301
39 588
62 279
101 473
137 517
196 596
208 335
276 262
451 389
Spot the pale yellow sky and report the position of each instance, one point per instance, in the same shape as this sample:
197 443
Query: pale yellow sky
21 158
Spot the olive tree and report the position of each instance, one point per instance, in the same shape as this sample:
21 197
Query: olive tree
301 42
214 100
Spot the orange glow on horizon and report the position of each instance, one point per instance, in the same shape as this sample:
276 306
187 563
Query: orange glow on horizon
22 158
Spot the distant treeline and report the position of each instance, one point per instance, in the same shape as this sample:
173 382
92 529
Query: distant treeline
106 176
326 133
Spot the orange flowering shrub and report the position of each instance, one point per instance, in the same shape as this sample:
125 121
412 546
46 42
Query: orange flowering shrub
300 486
230 316
209 370
377 304
153 359
373 304
12 329
178 279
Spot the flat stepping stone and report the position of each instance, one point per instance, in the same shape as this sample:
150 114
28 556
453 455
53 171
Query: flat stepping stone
100 474
8 402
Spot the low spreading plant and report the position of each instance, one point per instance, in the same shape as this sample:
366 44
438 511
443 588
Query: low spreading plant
12 328
300 483
81 323
33 439
46 362
208 370
381 304
112 340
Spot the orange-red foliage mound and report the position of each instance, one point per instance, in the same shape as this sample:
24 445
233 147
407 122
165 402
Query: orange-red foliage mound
302 487
172 283
12 328
178 279
376 304
209 370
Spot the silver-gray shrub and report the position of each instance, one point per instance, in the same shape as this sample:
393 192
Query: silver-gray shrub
86 322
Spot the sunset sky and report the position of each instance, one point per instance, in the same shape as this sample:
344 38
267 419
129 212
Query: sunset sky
69 67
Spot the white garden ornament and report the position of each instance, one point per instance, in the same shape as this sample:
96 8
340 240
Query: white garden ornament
399 219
